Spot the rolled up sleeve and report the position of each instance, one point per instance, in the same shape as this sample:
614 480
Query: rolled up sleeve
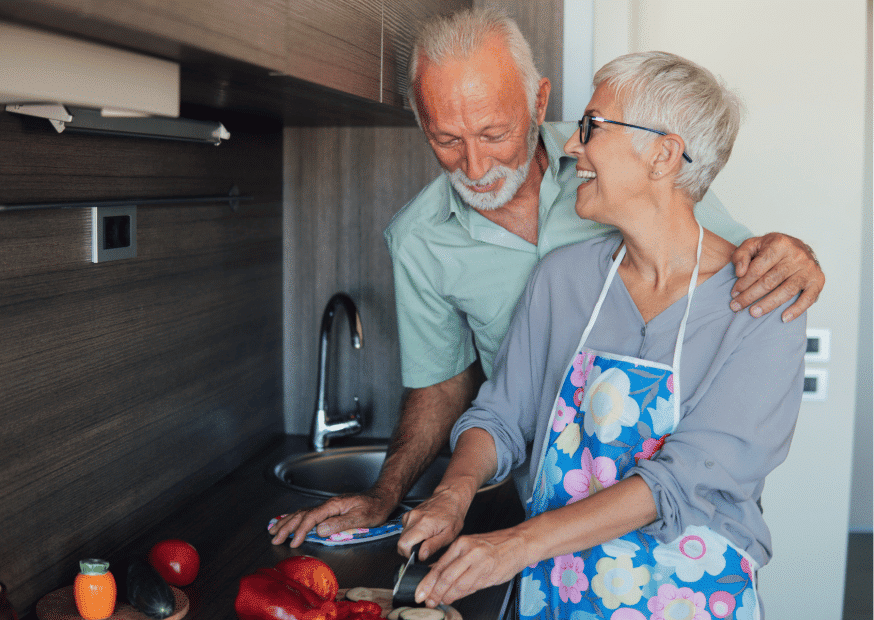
734 430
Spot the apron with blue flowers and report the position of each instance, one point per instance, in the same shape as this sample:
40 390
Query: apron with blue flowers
610 412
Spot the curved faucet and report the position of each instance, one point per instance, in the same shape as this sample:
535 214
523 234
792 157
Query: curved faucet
322 429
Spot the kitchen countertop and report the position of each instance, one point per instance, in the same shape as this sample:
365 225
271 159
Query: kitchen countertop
227 524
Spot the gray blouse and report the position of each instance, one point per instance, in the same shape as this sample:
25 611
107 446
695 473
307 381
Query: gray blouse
741 382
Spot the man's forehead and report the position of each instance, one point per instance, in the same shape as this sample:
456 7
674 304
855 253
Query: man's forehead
488 79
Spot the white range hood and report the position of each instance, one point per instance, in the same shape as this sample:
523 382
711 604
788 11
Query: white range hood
43 67
86 87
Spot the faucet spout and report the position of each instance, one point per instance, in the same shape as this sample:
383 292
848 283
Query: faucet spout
323 430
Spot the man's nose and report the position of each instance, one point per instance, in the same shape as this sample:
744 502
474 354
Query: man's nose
476 162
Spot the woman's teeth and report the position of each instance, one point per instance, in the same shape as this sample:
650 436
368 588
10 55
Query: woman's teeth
586 174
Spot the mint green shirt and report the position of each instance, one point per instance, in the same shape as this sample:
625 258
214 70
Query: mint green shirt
458 275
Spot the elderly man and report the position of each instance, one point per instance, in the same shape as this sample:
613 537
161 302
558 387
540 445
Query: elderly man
463 248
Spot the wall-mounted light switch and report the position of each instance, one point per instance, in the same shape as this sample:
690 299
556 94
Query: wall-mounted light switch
818 345
815 384
113 233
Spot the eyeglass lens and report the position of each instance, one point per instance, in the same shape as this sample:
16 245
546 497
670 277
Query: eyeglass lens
584 130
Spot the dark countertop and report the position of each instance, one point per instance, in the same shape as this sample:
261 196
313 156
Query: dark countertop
227 524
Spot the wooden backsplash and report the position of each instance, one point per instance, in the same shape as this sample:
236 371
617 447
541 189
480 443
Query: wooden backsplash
342 187
126 386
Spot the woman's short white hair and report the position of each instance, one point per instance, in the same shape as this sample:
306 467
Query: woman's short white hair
669 93
460 35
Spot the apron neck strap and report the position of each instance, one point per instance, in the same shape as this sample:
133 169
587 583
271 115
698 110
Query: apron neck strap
678 347
681 335
610 275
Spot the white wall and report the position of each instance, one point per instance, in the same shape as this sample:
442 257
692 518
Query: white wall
797 167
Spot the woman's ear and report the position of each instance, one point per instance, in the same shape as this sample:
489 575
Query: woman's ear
668 154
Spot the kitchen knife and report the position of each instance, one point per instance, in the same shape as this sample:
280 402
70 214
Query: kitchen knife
408 578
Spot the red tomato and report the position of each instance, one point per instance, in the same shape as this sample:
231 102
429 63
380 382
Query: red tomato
176 561
311 572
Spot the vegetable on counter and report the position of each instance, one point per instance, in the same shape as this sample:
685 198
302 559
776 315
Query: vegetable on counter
298 588
94 590
268 595
148 592
176 561
422 613
311 572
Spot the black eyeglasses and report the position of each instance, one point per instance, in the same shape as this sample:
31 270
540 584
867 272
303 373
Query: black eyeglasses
586 130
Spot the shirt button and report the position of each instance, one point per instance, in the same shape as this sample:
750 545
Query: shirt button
708 464
643 332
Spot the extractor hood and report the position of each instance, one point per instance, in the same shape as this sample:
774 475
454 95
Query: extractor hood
43 67
83 86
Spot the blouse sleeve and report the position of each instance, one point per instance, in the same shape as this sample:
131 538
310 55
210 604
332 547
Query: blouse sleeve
735 428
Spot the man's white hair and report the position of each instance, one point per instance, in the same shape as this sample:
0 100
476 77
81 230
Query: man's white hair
460 35
671 94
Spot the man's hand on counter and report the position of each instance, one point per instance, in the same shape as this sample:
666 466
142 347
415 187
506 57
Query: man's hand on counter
344 512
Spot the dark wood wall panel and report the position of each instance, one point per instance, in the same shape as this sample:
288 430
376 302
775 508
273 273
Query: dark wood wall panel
336 43
542 23
128 385
342 187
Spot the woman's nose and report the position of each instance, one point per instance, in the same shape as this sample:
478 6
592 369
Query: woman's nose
573 146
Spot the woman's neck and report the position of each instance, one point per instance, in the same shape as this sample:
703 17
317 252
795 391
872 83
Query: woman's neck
662 245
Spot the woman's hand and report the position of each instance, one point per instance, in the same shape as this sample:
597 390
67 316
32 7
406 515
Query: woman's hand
435 523
472 563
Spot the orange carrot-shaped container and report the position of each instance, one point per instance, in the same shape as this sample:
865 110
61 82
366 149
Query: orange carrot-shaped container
94 590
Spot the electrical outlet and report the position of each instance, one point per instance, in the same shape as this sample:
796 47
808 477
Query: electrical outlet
113 233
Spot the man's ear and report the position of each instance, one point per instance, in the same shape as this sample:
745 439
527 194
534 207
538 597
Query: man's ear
543 99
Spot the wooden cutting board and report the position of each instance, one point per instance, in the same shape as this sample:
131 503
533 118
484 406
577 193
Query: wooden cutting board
383 598
60 605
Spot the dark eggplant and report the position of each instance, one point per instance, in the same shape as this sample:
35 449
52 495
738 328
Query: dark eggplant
148 592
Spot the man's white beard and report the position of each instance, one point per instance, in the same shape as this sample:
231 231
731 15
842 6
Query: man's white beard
489 201
513 179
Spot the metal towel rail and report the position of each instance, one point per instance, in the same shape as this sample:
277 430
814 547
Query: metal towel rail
232 199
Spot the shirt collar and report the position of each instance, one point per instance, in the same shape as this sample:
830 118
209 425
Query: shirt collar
554 140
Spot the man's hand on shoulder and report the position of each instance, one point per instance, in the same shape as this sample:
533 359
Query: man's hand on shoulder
773 269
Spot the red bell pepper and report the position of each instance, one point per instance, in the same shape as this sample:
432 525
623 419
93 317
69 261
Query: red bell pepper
358 610
271 594
267 595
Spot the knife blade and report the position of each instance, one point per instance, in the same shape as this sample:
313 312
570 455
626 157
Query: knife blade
414 553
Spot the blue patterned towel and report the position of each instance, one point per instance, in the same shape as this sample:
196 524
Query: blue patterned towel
392 527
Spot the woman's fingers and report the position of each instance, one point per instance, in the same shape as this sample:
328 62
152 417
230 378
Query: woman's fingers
471 563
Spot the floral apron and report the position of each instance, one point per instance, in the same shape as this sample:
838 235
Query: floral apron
610 412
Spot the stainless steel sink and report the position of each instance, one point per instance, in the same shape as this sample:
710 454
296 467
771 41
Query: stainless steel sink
349 470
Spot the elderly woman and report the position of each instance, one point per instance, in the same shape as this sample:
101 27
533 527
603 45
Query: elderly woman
652 431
